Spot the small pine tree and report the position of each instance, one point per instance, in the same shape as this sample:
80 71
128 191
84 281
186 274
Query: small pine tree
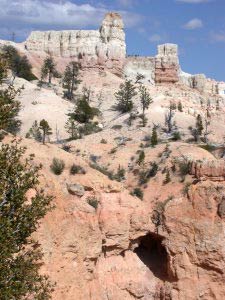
46 130
71 79
167 179
49 69
83 112
72 129
125 97
139 78
145 100
154 137
141 158
35 132
19 218
180 106
199 125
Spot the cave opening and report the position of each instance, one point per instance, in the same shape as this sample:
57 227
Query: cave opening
153 254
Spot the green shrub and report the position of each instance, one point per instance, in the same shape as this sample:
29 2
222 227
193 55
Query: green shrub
176 136
138 193
103 141
57 166
208 147
76 169
93 202
66 148
88 129
120 175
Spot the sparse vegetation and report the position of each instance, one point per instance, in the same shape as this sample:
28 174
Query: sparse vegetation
57 166
167 178
154 137
76 169
141 158
93 202
138 193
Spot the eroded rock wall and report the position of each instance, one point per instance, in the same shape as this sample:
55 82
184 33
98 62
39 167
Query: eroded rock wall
92 48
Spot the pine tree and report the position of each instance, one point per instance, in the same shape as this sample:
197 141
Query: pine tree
71 79
199 125
141 158
49 69
19 218
83 112
72 129
46 130
19 65
125 97
180 107
154 137
35 132
145 100
9 109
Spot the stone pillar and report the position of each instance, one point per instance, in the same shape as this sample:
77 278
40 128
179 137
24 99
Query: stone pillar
167 66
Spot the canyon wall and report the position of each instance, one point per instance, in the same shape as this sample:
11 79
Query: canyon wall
105 47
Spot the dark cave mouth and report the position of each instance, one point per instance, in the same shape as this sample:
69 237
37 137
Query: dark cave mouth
153 254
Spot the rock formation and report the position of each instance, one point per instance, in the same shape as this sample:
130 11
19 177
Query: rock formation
167 64
92 48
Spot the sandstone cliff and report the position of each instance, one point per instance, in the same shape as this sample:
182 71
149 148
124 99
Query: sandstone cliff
92 48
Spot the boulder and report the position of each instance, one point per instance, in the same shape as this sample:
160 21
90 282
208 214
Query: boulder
76 189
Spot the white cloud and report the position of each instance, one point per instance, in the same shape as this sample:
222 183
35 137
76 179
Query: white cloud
155 38
217 36
16 15
193 24
193 1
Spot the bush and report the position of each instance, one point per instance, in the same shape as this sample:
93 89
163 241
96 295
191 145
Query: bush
120 175
103 141
93 202
176 136
19 65
88 129
66 148
76 169
138 193
57 166
167 179
208 147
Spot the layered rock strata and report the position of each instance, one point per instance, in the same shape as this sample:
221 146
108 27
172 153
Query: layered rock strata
92 48
167 64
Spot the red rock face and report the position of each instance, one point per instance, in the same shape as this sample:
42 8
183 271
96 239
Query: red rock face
213 170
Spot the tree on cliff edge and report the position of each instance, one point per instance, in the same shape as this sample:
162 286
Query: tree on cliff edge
19 218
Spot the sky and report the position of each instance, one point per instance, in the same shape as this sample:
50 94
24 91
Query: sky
197 26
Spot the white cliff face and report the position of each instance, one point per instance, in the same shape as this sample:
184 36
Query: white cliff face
105 47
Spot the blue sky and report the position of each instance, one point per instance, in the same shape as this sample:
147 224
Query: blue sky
197 26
